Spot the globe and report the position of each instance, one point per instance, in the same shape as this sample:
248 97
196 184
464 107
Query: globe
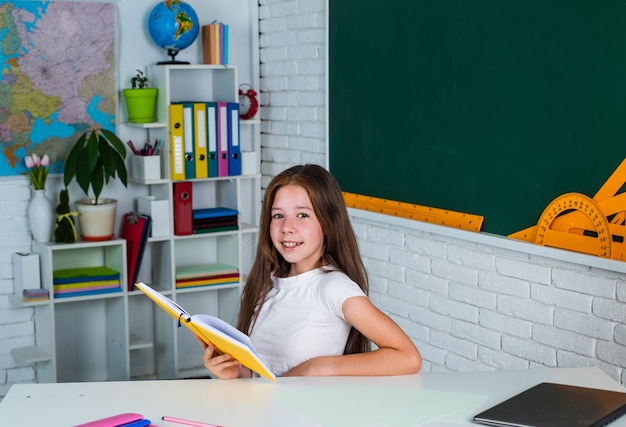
173 25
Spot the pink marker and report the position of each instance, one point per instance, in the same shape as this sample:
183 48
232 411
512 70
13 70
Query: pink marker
187 422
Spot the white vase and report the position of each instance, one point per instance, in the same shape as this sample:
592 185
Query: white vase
41 216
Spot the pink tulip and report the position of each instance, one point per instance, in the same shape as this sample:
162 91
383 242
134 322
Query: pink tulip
29 162
37 170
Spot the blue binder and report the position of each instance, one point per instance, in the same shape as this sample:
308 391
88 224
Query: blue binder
234 148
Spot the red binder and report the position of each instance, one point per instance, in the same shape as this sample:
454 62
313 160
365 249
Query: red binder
135 229
183 208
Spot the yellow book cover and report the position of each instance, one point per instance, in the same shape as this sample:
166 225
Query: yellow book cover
226 338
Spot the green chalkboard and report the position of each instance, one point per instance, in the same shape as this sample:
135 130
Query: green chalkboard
489 107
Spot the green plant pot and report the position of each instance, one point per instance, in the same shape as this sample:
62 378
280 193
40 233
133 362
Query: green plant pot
140 104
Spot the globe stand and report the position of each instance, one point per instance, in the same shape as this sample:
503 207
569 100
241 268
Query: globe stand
172 53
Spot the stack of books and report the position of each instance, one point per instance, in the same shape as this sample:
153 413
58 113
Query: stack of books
188 276
74 282
35 294
210 220
215 43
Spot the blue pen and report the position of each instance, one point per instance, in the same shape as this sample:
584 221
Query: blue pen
139 423
157 147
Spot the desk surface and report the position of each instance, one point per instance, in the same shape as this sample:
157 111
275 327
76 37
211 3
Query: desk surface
435 400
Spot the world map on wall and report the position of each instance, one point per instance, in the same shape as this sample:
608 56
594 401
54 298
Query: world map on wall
58 78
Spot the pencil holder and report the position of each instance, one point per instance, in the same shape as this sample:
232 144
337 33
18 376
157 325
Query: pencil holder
146 168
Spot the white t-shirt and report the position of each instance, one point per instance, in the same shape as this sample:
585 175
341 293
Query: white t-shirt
302 318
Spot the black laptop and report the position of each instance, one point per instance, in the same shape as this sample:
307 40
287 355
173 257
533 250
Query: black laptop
556 405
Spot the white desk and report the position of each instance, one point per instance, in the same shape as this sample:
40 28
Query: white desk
435 400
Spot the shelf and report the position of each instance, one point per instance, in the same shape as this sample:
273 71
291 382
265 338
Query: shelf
148 181
153 125
32 354
82 298
191 290
19 302
138 343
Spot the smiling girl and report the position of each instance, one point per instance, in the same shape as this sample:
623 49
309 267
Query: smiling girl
305 303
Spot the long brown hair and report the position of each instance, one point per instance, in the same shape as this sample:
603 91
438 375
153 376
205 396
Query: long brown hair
340 245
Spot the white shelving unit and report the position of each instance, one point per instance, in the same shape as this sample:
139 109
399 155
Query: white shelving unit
175 352
124 335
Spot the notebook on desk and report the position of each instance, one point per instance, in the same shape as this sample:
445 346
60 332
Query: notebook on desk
556 405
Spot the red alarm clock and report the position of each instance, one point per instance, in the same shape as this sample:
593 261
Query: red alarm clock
248 104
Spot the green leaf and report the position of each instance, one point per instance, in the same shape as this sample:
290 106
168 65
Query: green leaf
97 180
83 172
115 142
108 154
92 149
72 160
121 170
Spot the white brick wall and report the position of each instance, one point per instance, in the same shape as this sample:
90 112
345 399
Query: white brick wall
467 305
16 325
473 306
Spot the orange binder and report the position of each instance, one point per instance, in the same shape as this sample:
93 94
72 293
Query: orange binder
135 229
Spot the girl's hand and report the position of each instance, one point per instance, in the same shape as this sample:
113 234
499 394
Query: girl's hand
222 366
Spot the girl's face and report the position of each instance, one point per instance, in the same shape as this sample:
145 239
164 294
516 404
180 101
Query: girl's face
295 230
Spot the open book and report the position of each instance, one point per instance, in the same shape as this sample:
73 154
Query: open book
222 335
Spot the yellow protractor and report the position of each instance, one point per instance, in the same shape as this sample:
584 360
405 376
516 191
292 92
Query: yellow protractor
575 222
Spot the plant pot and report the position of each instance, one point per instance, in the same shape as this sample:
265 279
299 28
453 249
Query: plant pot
96 221
141 104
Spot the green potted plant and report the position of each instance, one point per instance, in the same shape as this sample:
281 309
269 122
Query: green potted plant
140 99
96 157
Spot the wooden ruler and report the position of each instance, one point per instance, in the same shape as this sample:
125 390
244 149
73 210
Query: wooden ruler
437 216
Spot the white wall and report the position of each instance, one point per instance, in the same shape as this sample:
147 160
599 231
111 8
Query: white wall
470 302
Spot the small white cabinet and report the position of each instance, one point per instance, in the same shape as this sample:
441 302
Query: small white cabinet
83 338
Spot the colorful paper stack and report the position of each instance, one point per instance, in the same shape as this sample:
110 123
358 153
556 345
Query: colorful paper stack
74 282
33 295
211 220
215 43
188 276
